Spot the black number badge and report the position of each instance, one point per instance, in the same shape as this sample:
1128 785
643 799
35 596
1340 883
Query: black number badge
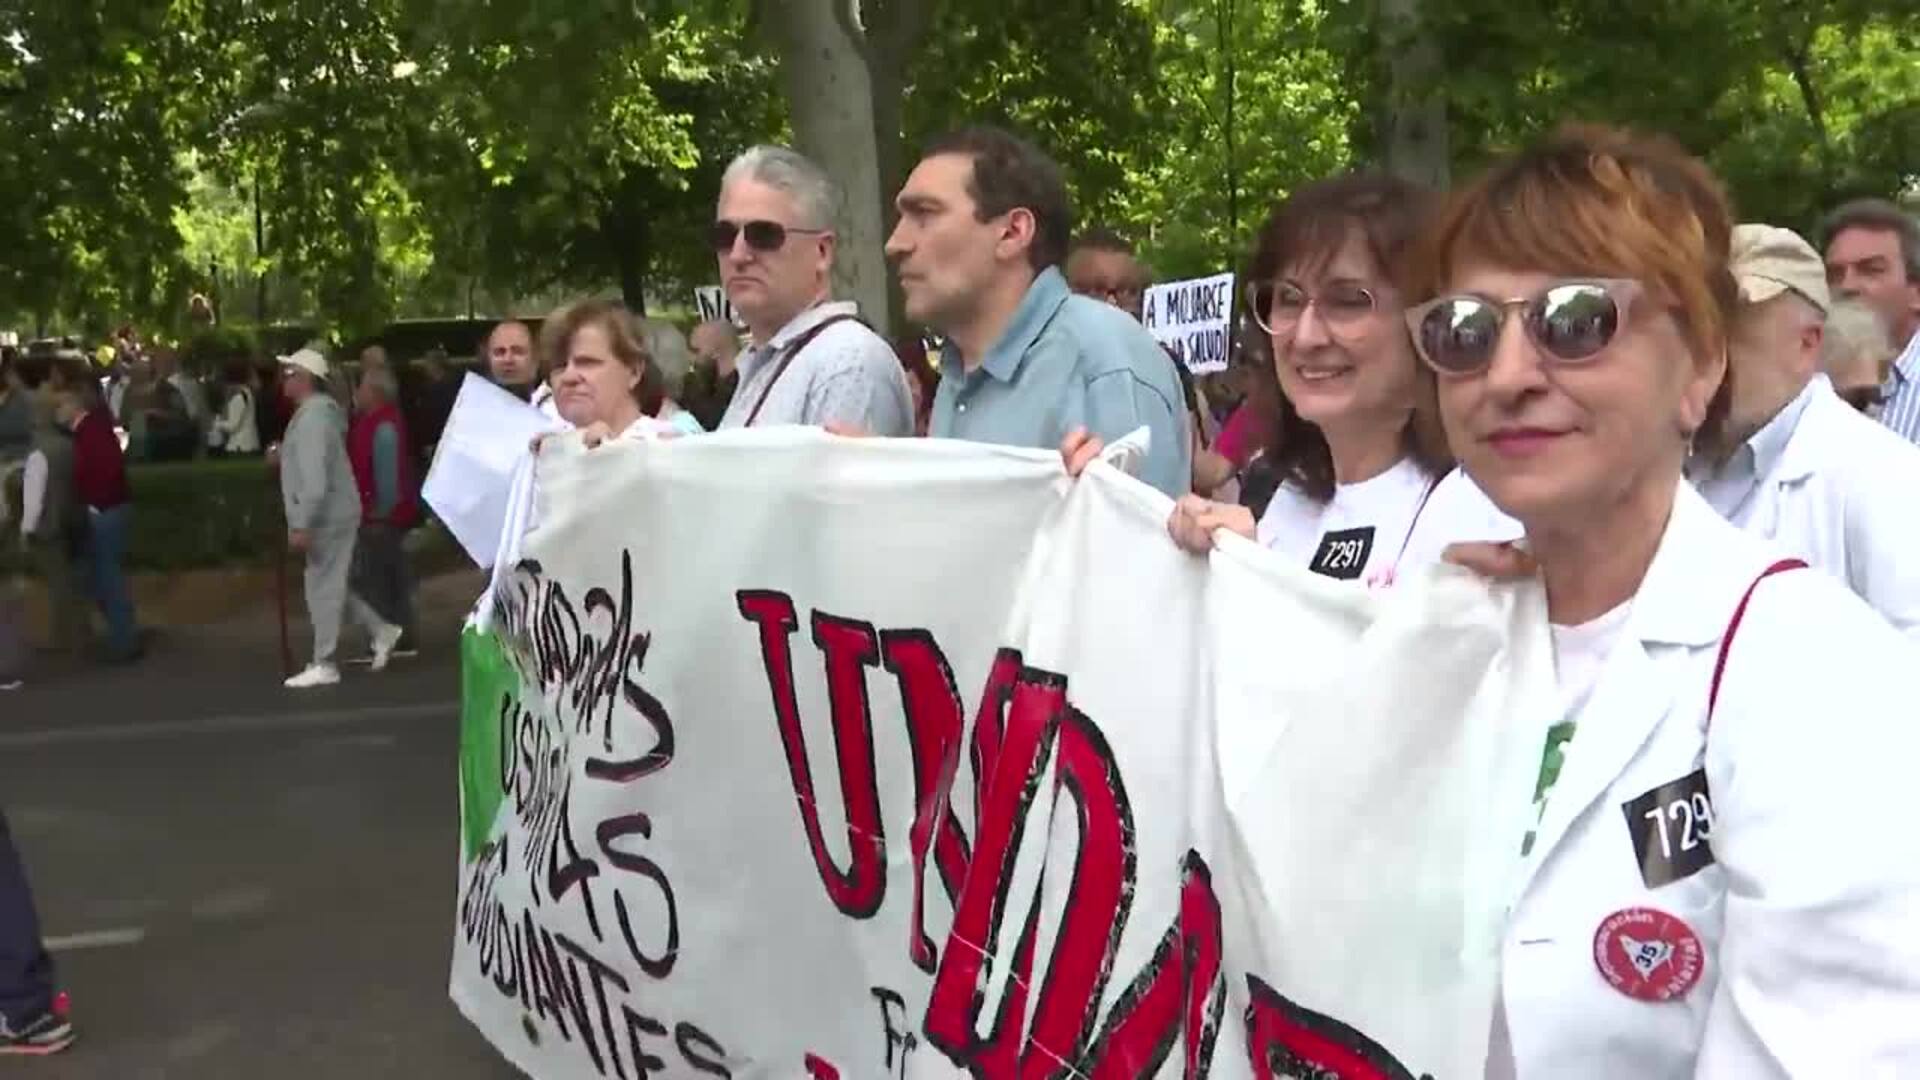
1343 553
1672 827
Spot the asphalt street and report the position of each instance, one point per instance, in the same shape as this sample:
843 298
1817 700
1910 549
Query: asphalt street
240 881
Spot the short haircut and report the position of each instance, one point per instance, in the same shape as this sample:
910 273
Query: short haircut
1878 215
381 379
1010 173
486 343
796 175
1605 202
1853 328
623 335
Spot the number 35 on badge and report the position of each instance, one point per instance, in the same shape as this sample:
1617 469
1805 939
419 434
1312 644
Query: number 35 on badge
1647 954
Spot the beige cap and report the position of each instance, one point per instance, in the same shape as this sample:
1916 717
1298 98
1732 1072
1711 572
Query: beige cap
1768 260
309 361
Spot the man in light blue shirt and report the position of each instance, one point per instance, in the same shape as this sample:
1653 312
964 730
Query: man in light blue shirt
984 226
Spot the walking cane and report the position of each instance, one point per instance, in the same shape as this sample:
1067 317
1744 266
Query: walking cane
281 554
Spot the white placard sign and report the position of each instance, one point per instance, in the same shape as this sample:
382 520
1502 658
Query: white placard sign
712 303
753 786
1193 318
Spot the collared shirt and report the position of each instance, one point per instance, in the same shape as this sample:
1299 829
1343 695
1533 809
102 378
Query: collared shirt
846 375
1729 489
1068 361
1901 393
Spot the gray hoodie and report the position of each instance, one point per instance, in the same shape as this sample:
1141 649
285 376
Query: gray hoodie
316 480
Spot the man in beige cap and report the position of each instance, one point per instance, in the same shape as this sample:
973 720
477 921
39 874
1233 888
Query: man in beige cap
323 517
1800 466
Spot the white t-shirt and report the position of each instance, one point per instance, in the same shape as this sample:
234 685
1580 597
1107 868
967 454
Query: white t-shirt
1580 654
1457 512
1369 531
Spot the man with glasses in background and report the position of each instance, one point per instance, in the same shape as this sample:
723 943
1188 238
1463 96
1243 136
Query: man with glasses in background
811 361
1103 266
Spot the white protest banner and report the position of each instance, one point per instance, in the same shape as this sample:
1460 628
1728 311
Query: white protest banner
712 303
854 758
472 471
1193 318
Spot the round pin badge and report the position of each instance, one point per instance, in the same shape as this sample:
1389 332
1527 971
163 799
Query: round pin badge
1648 954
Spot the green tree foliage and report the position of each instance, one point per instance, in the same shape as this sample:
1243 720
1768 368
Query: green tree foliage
415 156
88 167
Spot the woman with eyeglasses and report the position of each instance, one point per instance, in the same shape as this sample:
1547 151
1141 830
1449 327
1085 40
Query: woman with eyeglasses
1721 874
1347 420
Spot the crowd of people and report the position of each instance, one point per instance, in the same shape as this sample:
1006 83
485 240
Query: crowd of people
1580 368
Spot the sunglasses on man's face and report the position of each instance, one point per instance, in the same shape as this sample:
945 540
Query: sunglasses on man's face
761 235
1569 321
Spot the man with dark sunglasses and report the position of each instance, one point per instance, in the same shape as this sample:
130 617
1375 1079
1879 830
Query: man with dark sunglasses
1800 465
984 225
811 361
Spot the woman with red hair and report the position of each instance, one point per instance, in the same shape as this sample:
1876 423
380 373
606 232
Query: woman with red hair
1720 874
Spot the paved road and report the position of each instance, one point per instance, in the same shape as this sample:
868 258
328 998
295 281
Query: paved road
249 883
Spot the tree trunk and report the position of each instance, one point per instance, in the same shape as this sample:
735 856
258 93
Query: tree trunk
830 92
1414 122
1800 65
893 34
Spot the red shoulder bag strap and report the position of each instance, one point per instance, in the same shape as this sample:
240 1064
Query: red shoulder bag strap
786 357
1733 627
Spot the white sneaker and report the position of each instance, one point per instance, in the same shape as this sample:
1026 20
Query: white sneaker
315 675
384 639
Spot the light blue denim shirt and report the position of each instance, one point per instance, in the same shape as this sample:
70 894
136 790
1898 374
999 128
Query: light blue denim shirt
1068 361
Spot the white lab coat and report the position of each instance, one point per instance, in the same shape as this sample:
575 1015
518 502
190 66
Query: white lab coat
1810 918
1845 497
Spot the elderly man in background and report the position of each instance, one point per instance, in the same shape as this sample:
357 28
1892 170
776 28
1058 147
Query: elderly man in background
382 459
812 361
1800 466
323 517
1858 354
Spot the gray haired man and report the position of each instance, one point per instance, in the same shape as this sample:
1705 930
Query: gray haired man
323 517
811 361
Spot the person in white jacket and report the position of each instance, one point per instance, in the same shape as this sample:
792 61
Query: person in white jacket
234 429
1801 467
1722 877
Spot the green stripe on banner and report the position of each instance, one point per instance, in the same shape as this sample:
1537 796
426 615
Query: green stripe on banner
487 682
